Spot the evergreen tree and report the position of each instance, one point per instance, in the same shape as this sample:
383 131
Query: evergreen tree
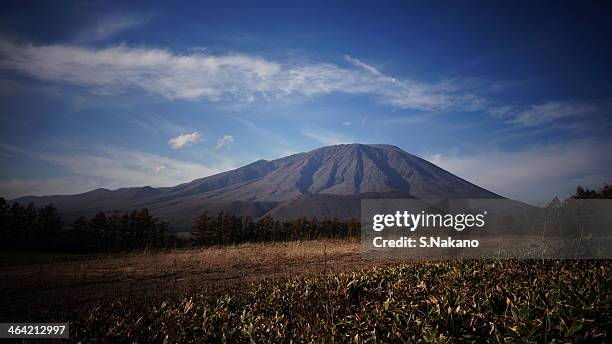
219 227
49 220
161 230
248 229
125 230
145 226
99 225
5 217
31 222
298 228
227 230
113 229
81 224
202 232
266 226
313 228
17 221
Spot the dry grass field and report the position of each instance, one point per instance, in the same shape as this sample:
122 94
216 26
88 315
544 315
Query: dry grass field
444 301
31 291
315 291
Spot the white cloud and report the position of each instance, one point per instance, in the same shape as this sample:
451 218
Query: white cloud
536 174
326 137
347 123
225 140
185 140
234 77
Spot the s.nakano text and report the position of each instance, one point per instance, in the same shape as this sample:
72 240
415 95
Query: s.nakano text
406 242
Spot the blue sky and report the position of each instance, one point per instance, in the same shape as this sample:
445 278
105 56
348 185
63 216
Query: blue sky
513 97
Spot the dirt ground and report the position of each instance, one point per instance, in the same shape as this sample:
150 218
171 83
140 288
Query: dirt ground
35 290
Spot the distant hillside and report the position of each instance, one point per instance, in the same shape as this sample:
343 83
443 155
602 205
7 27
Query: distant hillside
326 182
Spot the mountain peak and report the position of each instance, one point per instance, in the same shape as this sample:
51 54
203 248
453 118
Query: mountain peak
350 169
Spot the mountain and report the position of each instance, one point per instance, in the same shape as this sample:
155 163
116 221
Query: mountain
326 182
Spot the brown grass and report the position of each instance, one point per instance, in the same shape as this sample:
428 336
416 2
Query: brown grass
149 276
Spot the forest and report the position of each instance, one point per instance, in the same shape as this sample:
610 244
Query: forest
42 228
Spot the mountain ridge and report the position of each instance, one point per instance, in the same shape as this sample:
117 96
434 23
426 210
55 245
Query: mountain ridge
341 173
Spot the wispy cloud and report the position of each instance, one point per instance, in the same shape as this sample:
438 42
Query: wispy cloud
275 143
235 77
361 64
224 141
112 24
185 140
548 112
156 124
327 137
499 112
110 167
410 119
535 174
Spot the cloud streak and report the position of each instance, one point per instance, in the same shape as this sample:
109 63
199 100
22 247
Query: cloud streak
548 112
551 111
358 63
232 77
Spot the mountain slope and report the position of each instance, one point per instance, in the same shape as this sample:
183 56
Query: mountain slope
326 182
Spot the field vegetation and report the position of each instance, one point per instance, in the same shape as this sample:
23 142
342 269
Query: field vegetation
315 291
426 302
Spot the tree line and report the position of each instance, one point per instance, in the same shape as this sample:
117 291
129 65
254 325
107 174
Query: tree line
224 228
130 230
32 228
605 192
28 223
